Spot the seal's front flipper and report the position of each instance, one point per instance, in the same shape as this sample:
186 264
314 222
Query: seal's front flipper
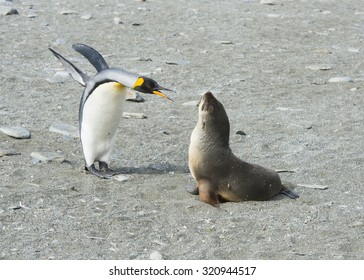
208 193
289 193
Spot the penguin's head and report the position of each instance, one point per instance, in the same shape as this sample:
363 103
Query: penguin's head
148 85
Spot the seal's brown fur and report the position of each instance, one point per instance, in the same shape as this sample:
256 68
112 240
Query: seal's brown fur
219 174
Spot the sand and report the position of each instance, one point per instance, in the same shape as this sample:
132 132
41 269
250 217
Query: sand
269 64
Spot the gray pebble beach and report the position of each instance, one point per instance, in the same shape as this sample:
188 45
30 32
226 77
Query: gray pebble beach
290 75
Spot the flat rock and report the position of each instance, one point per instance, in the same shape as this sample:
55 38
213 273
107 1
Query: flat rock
288 109
273 15
86 17
127 115
47 156
141 59
17 132
133 96
318 67
193 103
178 62
8 152
224 42
68 12
314 186
7 11
58 77
341 80
353 50
117 20
156 256
121 178
268 2
65 129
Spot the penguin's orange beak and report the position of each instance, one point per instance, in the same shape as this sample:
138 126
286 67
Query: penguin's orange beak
159 93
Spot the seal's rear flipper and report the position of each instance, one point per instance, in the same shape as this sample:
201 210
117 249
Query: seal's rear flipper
289 193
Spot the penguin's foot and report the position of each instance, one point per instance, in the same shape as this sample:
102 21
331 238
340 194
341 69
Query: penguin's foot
104 169
104 174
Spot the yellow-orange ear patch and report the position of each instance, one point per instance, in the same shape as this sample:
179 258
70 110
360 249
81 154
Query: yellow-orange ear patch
139 82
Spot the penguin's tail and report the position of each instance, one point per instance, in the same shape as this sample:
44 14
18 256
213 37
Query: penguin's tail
289 193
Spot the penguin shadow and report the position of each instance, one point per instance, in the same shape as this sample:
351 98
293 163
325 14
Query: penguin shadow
153 168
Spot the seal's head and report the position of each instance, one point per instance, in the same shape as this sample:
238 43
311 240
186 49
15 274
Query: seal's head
213 118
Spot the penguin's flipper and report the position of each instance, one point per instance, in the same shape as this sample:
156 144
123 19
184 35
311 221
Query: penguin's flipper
76 73
93 56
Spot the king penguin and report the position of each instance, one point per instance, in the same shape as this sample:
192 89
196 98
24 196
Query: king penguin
101 105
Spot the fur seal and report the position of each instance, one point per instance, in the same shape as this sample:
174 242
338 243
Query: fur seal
219 174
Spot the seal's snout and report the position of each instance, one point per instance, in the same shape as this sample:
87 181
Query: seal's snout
207 102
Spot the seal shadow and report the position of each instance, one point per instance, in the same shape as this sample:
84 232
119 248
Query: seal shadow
154 168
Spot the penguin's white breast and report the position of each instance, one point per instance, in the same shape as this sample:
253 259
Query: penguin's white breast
101 115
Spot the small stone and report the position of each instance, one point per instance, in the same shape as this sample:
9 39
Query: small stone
268 2
326 12
133 96
31 16
121 178
178 62
47 156
193 103
117 20
318 67
224 42
8 152
136 24
7 11
288 109
3 110
86 17
323 51
59 77
353 50
127 115
240 132
273 15
68 12
314 186
144 9
17 132
141 59
65 129
156 256
341 80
